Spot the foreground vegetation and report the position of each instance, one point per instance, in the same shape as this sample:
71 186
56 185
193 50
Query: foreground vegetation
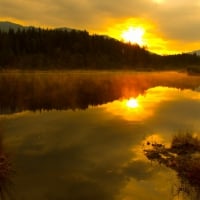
183 156
71 49
6 172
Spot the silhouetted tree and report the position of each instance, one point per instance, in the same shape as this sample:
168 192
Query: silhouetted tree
72 49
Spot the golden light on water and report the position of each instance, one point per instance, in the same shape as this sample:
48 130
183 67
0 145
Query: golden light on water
142 107
133 109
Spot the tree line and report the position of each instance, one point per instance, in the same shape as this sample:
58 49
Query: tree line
73 49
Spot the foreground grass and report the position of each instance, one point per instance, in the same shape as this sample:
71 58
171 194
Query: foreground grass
183 156
6 172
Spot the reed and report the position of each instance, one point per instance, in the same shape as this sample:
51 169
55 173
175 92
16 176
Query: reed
183 156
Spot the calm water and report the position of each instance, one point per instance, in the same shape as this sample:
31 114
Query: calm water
76 135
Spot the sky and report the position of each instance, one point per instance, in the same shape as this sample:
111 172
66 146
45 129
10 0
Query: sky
167 26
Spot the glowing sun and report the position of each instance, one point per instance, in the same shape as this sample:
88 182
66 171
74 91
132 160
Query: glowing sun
133 35
132 103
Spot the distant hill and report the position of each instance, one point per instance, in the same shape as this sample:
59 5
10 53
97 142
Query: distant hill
65 48
5 26
197 52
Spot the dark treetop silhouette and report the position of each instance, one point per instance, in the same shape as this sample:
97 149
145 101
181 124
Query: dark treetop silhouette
35 48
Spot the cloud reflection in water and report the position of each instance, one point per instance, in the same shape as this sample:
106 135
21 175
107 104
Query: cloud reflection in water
94 154
149 103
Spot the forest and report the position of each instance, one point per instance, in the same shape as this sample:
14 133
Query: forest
44 49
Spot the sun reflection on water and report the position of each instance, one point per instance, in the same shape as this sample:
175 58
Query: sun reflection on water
132 109
144 106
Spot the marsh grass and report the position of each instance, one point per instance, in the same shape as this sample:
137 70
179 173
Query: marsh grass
183 156
6 173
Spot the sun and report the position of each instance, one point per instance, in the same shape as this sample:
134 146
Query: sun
159 1
132 103
133 35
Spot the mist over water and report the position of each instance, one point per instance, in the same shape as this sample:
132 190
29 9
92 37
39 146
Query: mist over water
72 135
63 90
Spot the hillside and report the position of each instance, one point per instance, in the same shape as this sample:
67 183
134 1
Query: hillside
36 48
197 52
5 26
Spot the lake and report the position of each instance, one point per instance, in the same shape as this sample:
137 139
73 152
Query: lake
82 134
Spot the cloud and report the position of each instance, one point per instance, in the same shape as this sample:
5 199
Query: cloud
177 20
179 114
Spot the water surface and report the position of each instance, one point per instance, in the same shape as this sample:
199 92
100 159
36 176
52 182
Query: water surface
74 135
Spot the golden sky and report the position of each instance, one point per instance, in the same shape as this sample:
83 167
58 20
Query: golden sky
166 26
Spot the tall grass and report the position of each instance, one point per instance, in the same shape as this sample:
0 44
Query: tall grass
183 156
6 172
